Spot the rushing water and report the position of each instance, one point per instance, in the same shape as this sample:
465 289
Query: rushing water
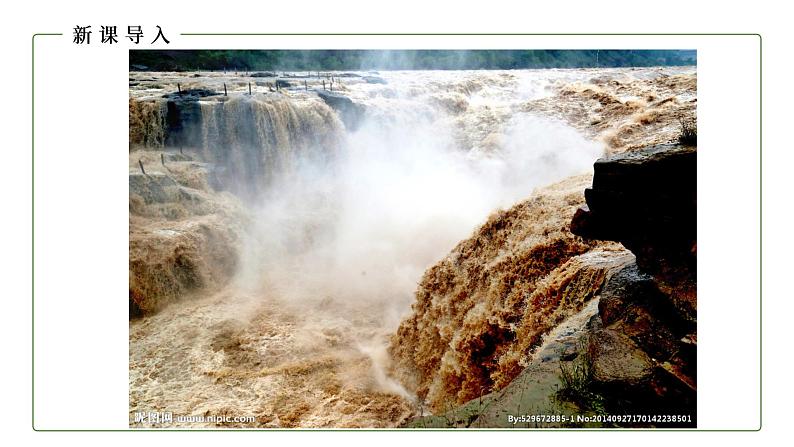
344 221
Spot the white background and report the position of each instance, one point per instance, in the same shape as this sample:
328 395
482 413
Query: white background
81 193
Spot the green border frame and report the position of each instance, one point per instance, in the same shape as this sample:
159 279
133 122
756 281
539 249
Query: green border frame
265 430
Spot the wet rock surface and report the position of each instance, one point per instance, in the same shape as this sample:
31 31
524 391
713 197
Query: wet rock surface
192 94
182 113
183 235
154 188
647 200
280 83
644 358
616 358
351 113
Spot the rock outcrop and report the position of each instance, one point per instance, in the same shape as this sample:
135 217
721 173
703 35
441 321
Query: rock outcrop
281 83
184 236
192 94
647 200
351 113
643 355
182 113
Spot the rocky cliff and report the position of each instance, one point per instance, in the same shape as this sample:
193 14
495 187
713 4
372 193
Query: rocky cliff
642 353
647 200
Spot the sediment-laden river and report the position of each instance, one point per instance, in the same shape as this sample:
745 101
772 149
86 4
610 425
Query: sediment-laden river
280 230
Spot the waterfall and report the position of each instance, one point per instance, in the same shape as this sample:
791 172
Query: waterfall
247 140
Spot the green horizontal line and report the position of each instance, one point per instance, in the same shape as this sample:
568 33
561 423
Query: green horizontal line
470 34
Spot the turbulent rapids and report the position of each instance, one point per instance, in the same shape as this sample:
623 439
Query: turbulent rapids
352 249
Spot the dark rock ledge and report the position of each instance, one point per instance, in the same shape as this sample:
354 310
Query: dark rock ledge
644 352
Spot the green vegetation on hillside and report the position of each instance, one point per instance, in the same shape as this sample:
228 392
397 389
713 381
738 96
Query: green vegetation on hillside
302 60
